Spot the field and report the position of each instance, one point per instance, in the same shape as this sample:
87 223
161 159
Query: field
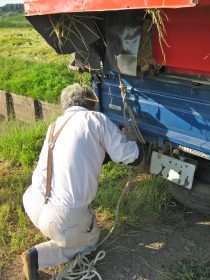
14 21
19 40
27 44
156 238
28 65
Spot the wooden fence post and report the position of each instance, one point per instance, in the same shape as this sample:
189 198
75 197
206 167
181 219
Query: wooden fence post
24 108
50 111
3 104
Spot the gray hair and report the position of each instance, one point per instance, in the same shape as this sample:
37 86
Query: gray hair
78 95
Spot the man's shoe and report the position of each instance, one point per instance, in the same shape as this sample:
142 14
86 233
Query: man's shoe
30 267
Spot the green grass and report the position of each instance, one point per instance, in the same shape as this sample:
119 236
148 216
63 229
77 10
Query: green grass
148 198
16 231
14 21
21 143
27 44
191 269
35 79
29 66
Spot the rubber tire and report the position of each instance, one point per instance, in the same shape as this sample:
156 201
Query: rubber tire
198 198
203 175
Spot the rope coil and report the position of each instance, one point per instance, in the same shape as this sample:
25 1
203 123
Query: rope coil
81 268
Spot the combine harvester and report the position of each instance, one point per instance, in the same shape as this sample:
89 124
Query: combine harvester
150 66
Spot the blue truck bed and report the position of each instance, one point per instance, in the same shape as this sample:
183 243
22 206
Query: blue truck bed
166 108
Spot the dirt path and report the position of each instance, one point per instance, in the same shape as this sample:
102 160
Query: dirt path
147 253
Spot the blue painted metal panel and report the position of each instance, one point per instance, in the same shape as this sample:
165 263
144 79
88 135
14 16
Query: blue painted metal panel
165 109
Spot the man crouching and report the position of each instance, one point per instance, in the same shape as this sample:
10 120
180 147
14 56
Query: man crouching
65 180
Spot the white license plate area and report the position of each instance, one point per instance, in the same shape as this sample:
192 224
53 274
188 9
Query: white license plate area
174 170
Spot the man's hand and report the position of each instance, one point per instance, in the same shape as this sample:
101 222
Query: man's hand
141 160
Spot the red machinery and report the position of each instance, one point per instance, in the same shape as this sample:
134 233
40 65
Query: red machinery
187 29
43 7
187 36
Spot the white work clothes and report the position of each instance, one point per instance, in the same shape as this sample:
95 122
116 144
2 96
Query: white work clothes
78 155
71 230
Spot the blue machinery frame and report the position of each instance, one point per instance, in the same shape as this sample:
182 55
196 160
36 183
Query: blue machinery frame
167 108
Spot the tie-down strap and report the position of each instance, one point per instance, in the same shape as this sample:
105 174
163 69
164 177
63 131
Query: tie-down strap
51 143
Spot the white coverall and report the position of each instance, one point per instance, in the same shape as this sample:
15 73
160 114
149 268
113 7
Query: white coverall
78 156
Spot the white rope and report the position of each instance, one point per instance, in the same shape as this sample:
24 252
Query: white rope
80 268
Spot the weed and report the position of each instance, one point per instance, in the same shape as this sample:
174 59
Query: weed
147 200
20 143
112 172
191 269
16 231
37 80
30 67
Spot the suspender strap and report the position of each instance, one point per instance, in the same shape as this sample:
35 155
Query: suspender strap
51 143
49 163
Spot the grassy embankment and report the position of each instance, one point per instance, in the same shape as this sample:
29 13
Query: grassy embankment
22 52
28 65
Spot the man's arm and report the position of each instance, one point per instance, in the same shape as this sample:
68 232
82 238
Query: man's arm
116 144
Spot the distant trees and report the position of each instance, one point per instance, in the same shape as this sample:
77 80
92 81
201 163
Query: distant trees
12 8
